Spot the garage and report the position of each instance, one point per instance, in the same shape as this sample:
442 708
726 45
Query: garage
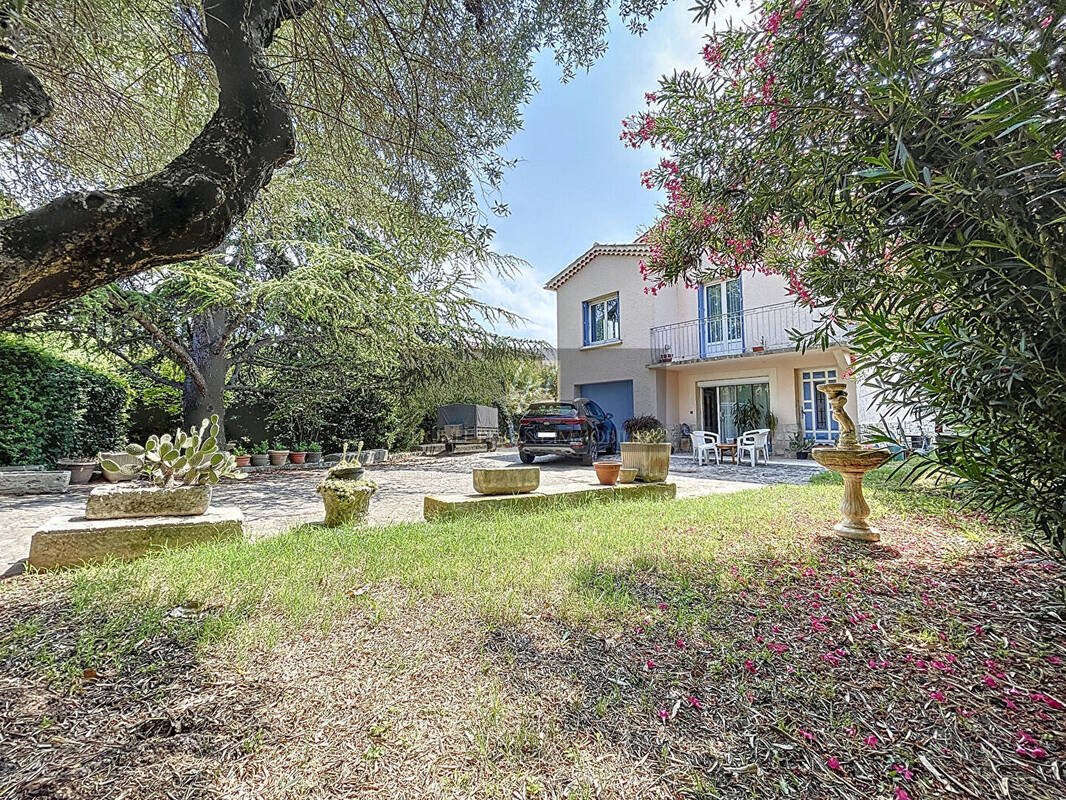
614 397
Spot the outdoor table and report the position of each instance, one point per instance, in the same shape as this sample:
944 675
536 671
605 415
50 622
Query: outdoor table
728 448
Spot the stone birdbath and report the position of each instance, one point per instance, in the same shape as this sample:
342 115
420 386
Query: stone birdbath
852 462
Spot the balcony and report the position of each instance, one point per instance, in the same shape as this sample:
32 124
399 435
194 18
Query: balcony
747 332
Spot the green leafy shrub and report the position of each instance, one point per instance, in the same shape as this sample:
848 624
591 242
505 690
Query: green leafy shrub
51 408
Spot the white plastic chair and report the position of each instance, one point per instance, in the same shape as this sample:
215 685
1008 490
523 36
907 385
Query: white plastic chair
704 442
754 442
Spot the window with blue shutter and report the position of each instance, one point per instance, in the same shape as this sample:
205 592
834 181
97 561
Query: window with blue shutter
601 320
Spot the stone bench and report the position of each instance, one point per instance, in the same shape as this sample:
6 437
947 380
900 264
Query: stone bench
442 507
72 541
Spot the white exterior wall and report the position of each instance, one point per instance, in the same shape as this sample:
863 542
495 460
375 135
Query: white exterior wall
672 392
638 313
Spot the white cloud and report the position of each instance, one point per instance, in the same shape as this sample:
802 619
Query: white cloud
522 294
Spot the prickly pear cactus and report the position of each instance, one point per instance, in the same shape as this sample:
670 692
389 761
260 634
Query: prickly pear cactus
186 458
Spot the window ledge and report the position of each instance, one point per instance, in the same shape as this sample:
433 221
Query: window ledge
598 345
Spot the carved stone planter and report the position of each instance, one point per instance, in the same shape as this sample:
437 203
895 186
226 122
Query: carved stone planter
651 461
130 502
511 480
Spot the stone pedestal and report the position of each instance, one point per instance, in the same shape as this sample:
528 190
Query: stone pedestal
73 541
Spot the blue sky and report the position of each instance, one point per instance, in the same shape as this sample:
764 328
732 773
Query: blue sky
576 183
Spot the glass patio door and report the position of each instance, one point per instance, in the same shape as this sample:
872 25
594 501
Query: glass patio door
818 422
723 317
720 404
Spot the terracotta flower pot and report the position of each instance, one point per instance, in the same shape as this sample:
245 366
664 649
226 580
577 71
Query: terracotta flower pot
607 472
297 458
243 461
278 457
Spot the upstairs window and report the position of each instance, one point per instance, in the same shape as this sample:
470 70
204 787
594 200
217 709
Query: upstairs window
602 322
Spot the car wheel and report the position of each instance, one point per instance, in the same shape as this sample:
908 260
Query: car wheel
592 454
527 458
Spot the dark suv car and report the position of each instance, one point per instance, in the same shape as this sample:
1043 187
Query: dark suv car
579 428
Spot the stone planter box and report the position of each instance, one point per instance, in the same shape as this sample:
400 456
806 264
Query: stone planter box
73 541
130 502
314 456
510 480
260 459
34 481
651 461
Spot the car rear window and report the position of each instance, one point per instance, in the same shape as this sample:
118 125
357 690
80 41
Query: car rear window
552 410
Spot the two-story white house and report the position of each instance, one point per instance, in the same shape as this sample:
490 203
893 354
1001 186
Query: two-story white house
690 355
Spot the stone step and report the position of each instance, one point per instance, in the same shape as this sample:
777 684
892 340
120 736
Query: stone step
453 506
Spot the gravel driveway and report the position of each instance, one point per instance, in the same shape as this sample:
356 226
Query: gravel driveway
274 501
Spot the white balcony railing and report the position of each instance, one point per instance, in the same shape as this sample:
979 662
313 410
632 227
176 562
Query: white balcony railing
751 331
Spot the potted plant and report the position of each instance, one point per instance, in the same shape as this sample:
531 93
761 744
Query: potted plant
314 453
80 468
345 492
120 457
801 444
667 356
179 471
298 453
758 348
349 469
278 456
241 456
259 454
648 454
747 416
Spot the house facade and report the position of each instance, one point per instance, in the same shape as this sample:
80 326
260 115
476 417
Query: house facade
691 355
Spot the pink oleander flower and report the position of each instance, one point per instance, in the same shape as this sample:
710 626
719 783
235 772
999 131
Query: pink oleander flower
871 741
680 644
805 734
901 793
649 664
749 666
833 763
664 714
902 770
694 702
938 696
1047 20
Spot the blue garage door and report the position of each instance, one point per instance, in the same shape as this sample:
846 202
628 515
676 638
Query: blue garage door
614 397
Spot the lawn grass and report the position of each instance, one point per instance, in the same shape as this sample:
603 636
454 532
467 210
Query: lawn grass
720 646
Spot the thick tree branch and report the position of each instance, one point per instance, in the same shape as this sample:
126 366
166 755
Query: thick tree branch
179 353
88 239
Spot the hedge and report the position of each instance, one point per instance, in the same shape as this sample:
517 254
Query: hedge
51 408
